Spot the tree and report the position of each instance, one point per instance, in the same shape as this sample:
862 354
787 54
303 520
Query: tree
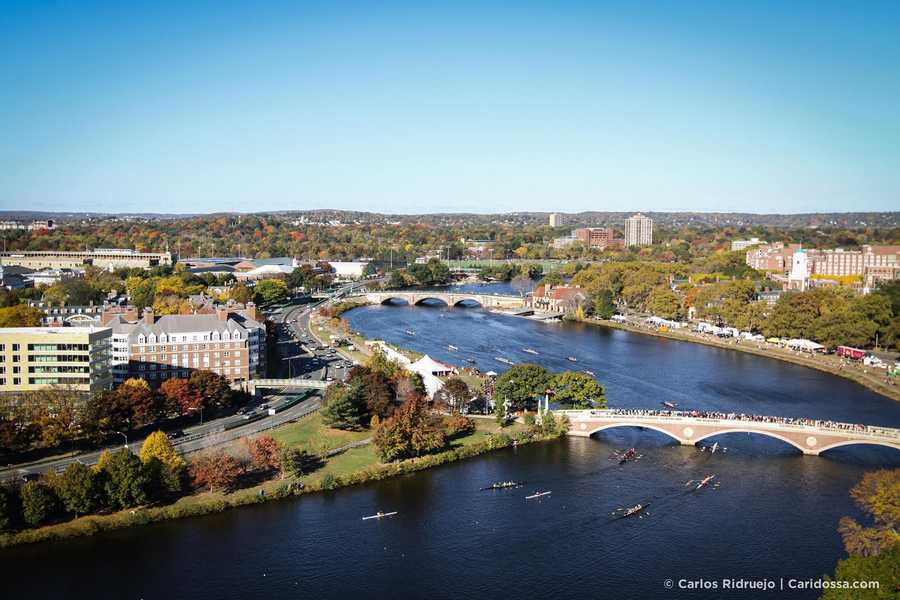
458 425
377 389
664 303
271 290
457 392
297 463
521 384
604 306
240 293
141 402
78 489
213 388
345 406
882 568
263 452
578 390
410 432
7 508
39 503
217 470
180 396
127 482
20 315
158 446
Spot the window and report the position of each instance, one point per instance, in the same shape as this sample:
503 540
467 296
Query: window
15 347
17 380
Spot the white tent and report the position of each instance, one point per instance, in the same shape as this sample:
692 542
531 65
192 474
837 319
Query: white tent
426 364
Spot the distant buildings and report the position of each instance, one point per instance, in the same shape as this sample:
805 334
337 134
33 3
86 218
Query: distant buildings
33 358
871 264
230 342
563 242
36 225
597 237
351 269
744 244
105 258
558 219
638 230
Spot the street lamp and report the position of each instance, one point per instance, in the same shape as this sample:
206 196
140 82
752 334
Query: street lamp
124 436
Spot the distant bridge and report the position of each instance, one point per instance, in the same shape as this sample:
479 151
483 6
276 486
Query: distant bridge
688 429
449 298
252 385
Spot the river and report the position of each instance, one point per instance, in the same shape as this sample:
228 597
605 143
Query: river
773 515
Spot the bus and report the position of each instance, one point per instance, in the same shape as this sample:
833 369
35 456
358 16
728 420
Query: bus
852 353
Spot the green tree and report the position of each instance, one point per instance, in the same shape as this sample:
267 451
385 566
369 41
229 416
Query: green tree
7 508
271 290
39 503
604 306
78 489
457 393
578 390
127 481
521 384
664 303
345 406
884 568
20 315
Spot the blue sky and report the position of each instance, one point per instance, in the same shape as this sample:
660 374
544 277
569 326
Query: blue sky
455 106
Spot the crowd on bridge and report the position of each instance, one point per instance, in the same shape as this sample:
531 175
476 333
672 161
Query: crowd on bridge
734 416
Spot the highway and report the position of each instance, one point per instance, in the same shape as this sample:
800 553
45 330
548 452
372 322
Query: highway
299 353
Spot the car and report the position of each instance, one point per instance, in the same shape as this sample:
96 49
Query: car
263 406
329 379
242 410
307 376
174 435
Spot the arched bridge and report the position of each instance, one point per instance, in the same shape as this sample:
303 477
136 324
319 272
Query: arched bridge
448 298
688 428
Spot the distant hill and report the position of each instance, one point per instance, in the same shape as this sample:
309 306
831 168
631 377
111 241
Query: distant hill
666 219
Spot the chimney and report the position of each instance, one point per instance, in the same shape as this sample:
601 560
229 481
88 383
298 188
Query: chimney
107 314
131 313
251 311
221 313
148 316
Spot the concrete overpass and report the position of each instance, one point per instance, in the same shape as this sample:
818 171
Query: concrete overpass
297 382
810 437
449 298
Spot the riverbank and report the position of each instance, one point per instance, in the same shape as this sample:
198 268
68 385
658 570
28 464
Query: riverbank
353 464
827 364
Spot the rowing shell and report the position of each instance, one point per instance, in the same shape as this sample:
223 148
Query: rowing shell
538 495
390 514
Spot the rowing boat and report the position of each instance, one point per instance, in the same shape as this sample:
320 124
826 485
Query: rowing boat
537 495
379 515
529 350
572 359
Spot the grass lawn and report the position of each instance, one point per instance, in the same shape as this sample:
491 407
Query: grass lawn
311 434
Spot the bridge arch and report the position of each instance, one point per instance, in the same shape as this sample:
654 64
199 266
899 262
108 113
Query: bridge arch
395 300
763 432
433 299
639 425
858 442
471 300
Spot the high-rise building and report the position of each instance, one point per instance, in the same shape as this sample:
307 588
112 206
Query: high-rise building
638 230
77 358
557 219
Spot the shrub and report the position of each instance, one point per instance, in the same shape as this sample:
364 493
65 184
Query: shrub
39 503
458 426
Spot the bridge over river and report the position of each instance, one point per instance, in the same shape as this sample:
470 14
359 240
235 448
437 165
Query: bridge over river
688 428
448 298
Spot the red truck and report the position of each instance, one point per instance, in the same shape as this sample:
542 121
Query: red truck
848 352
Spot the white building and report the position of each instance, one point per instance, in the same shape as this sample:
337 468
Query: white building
350 270
558 219
798 278
744 244
638 230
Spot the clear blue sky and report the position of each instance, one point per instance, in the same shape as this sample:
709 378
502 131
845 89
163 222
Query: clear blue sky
454 106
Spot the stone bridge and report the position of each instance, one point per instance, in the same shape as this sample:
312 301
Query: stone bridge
689 429
448 298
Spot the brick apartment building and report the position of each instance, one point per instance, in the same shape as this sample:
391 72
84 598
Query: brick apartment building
231 341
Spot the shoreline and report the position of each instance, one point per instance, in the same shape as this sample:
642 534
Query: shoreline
871 383
208 503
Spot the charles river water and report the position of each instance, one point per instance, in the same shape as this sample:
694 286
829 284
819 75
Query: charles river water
773 516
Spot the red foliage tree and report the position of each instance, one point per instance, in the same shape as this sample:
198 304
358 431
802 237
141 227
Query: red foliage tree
217 470
180 396
264 452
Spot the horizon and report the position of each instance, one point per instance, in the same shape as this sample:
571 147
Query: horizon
450 109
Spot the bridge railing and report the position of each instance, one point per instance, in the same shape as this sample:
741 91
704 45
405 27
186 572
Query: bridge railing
685 417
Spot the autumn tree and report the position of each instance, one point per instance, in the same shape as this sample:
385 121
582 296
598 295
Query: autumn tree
141 402
216 470
271 290
410 432
180 396
214 389
20 315
263 452
457 393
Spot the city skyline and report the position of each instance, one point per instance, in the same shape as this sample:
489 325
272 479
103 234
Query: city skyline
465 108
